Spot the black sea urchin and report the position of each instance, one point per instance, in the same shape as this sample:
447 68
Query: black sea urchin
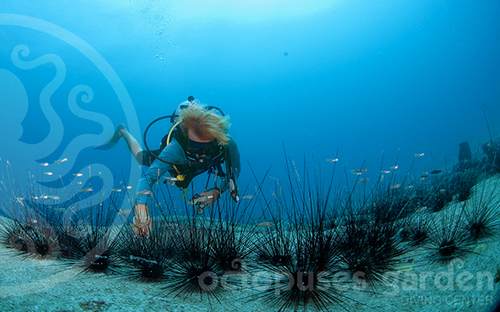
193 270
89 240
233 240
482 213
449 240
299 251
28 232
370 246
148 256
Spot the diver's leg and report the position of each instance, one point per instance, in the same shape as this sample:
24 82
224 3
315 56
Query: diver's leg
114 139
133 145
233 167
135 148
234 162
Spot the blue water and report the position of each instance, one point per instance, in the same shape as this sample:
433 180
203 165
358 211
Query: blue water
372 83
369 82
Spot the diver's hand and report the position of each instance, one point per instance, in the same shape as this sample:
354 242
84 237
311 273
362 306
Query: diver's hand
202 200
142 223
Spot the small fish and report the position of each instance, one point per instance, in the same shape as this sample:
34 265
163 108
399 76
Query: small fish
129 187
385 171
62 161
87 190
266 224
395 186
145 193
78 174
419 155
435 172
332 160
53 197
48 173
46 164
116 190
395 167
79 183
247 197
359 171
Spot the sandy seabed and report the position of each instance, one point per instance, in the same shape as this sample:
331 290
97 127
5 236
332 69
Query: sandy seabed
47 285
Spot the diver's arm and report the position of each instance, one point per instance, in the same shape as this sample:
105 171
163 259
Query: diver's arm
172 154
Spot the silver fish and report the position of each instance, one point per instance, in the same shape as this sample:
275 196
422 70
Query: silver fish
395 186
265 224
332 160
62 161
359 171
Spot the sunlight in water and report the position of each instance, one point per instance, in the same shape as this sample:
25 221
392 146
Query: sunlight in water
245 10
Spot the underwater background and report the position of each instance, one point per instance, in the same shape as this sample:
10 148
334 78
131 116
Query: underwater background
362 85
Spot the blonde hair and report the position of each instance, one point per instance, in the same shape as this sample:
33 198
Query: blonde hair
205 124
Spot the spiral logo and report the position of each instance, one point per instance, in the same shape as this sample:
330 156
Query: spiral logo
42 93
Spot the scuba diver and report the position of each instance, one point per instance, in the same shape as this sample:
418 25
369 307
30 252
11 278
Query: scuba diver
197 142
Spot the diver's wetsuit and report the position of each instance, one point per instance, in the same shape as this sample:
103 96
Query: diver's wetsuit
178 161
